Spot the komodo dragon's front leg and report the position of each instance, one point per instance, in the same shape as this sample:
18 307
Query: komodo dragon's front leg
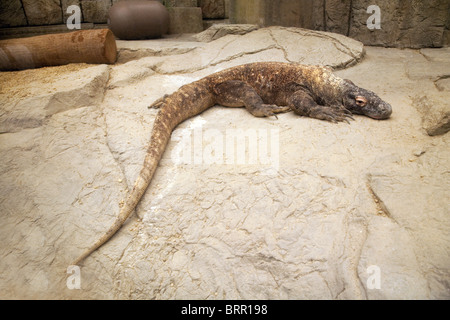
302 103
236 93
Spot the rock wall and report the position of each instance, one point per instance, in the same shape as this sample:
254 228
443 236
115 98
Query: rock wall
20 13
187 16
17 13
404 23
413 24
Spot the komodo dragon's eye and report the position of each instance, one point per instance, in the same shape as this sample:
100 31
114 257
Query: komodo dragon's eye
361 101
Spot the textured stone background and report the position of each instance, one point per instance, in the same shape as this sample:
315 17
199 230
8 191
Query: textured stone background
410 24
343 197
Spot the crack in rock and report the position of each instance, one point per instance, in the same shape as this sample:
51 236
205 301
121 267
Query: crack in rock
382 210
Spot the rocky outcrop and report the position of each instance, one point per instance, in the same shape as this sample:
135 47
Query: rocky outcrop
217 31
325 211
435 112
433 106
86 88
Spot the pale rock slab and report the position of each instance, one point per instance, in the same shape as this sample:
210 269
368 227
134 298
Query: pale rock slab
32 97
332 201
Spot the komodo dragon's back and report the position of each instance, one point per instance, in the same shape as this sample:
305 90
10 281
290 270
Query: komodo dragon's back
264 89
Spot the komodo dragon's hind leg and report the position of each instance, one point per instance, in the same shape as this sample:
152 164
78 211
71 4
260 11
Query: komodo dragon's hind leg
159 103
235 93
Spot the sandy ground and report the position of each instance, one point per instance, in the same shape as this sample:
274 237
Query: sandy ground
306 210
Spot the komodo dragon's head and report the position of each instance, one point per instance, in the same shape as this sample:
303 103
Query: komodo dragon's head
365 102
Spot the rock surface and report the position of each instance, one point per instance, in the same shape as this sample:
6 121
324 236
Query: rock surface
12 14
327 211
95 11
435 107
212 9
405 24
217 31
39 12
419 24
185 20
275 43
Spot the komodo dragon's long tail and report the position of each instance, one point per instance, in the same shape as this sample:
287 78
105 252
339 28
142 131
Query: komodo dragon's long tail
188 101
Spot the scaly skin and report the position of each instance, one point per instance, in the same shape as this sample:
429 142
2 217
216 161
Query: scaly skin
265 89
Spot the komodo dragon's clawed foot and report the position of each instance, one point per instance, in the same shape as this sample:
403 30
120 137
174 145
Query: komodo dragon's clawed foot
332 114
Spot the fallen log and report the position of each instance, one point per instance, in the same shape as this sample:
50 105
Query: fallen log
84 46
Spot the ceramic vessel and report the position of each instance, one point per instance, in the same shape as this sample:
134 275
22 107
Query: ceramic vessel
138 19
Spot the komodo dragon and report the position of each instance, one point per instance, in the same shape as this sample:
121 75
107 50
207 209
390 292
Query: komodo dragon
265 89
